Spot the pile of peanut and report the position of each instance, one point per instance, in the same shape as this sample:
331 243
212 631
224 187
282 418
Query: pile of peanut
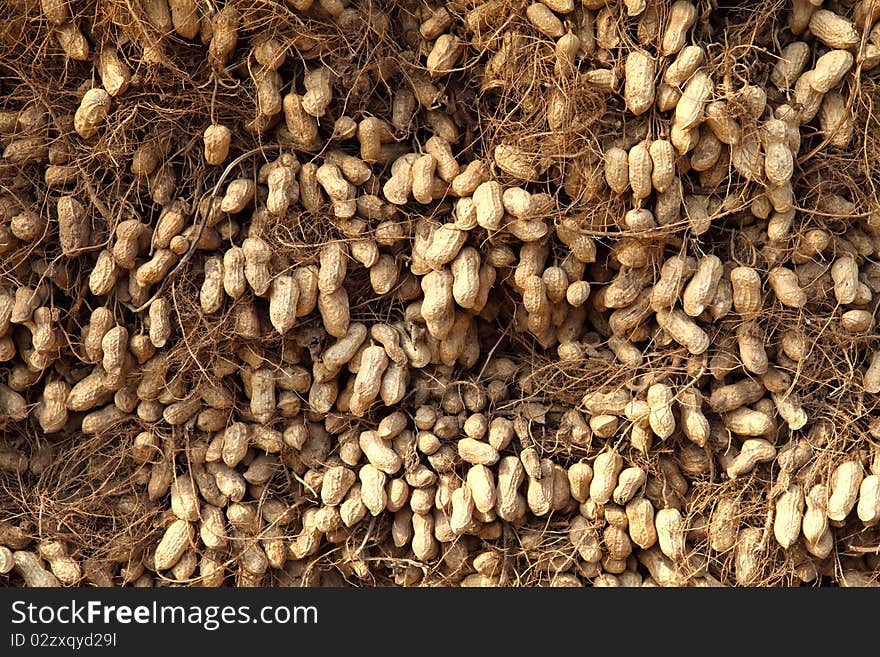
372 406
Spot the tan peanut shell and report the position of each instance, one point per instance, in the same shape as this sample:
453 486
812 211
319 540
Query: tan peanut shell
685 64
791 63
723 524
694 423
789 515
72 41
784 283
115 75
640 167
640 517
747 555
830 69
746 282
216 140
833 30
211 293
701 288
606 468
844 489
29 566
92 111
670 533
617 169
745 421
690 107
176 540
835 120
815 521
335 312
660 414
682 15
750 342
73 226
544 20
283 299
639 82
489 204
868 508
438 304
663 164
807 99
